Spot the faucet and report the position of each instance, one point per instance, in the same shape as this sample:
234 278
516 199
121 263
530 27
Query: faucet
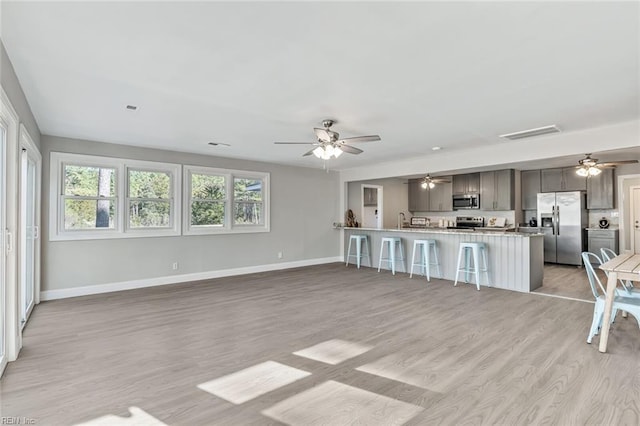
401 214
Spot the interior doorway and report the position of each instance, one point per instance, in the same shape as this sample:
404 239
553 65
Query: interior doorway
372 206
3 246
635 218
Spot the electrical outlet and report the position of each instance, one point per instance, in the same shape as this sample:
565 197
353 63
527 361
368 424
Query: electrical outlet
175 266
615 213
280 255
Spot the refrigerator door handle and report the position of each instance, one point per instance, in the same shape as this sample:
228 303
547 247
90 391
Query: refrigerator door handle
553 220
558 220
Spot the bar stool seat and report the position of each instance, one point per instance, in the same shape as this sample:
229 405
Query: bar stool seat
360 241
392 243
424 248
472 250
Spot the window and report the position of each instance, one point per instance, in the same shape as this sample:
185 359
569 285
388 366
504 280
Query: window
99 197
247 201
89 197
220 200
149 199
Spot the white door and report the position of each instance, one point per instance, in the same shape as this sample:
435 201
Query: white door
28 231
3 247
635 219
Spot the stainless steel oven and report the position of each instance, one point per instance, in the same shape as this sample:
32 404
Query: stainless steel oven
469 201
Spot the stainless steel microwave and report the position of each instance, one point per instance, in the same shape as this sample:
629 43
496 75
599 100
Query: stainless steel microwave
469 201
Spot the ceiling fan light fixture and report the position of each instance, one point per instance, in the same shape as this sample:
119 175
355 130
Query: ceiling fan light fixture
583 172
432 185
594 171
337 152
424 184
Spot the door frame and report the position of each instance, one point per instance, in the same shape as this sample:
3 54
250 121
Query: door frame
622 201
13 340
379 206
632 239
29 148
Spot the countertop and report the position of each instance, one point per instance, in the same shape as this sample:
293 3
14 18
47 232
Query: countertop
597 228
498 233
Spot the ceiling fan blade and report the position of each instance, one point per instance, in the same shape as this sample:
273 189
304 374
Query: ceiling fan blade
306 154
615 163
440 180
350 149
325 135
370 138
295 143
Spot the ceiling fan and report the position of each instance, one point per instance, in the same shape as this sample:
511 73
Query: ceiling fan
590 167
430 182
329 143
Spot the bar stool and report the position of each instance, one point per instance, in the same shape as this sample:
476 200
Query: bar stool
425 248
468 249
392 243
359 240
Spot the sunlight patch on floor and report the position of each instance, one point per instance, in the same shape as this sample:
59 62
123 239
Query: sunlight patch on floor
252 382
333 351
138 418
333 403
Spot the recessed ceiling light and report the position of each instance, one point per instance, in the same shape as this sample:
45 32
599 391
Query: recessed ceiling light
436 148
132 107
218 144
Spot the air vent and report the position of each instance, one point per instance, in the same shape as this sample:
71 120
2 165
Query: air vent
532 132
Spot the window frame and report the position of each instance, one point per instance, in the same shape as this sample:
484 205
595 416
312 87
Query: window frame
59 160
228 227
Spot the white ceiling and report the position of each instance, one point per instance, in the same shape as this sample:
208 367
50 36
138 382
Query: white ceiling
420 75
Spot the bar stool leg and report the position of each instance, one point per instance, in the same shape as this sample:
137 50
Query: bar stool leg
476 266
486 267
381 254
358 251
348 252
413 259
402 259
460 254
425 259
437 258
392 256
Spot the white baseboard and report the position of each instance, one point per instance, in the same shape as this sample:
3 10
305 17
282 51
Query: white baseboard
174 279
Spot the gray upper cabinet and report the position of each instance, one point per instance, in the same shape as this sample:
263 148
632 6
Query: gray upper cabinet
418 197
530 186
441 197
562 179
370 197
600 190
497 190
466 184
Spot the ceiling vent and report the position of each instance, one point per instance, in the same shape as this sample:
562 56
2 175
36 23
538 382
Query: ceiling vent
532 132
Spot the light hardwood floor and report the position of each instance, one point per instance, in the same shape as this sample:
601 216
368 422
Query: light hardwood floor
416 353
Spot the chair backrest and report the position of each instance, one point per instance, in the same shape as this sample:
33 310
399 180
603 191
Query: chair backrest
607 254
594 281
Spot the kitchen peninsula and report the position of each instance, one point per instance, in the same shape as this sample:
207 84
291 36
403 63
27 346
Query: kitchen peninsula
515 259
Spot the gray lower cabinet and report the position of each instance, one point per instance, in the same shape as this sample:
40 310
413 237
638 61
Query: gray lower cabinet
562 179
441 197
418 197
600 190
599 238
497 190
530 186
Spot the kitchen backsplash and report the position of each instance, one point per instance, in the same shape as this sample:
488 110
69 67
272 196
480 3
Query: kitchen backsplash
436 216
610 215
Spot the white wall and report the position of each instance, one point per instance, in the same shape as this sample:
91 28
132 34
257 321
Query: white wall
304 204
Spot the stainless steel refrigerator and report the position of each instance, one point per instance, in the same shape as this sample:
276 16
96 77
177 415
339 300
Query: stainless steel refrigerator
562 216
